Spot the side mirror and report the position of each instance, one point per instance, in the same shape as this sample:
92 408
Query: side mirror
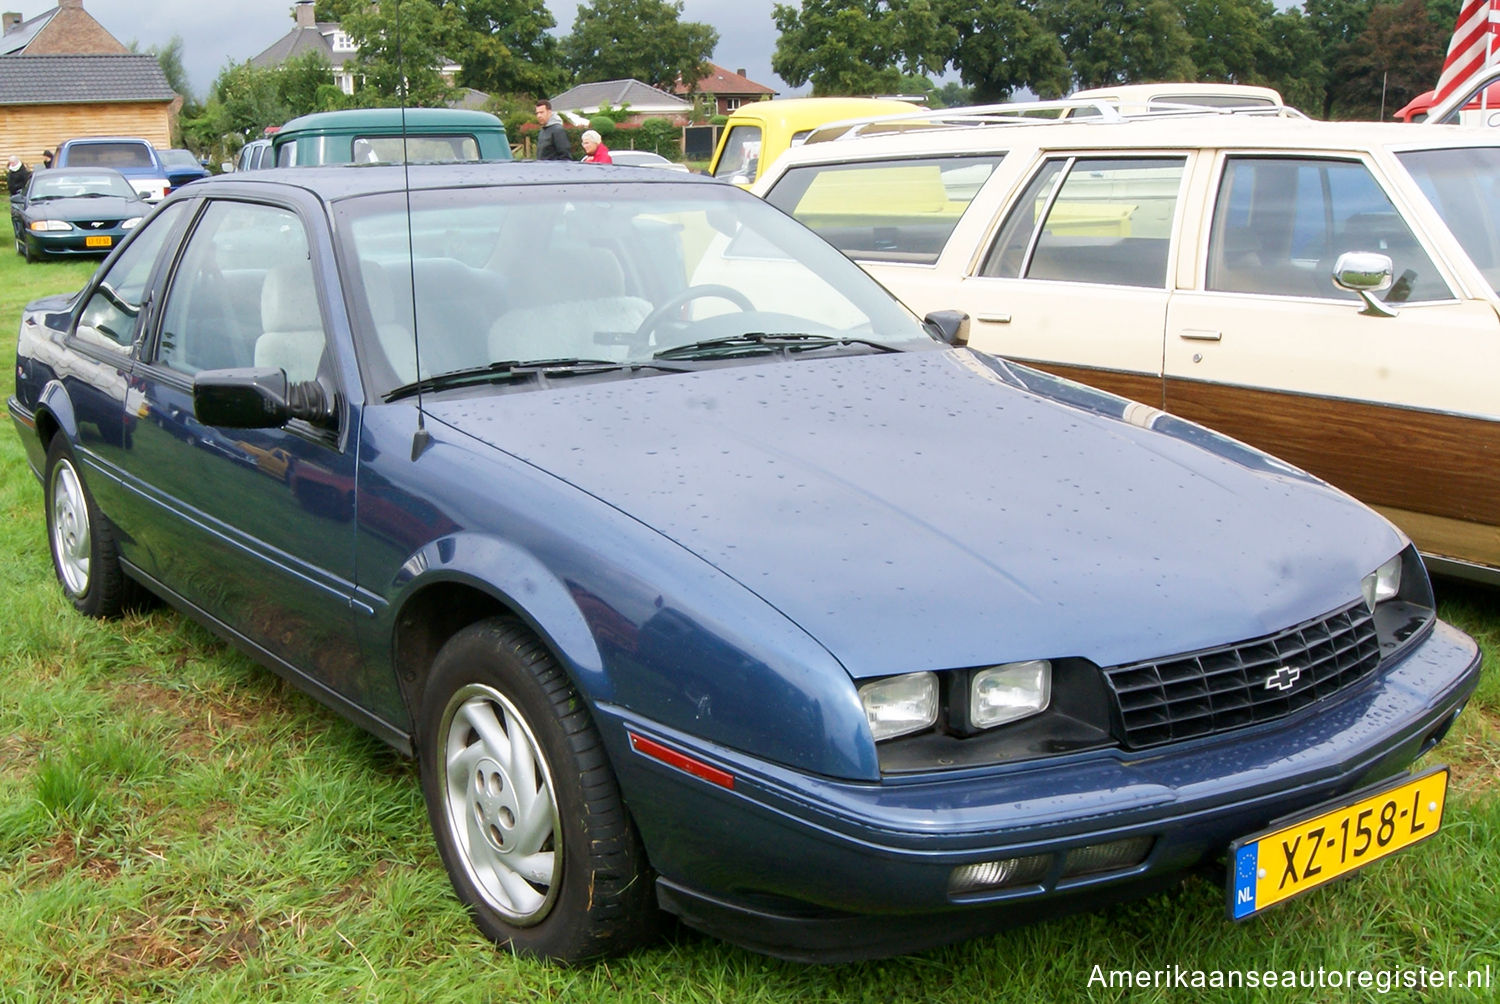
952 326
258 398
1365 273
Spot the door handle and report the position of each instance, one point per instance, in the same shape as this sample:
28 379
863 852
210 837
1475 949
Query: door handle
1200 335
993 318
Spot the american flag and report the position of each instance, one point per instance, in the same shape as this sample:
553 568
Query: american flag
1473 45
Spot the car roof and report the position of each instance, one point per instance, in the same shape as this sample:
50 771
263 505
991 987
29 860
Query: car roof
341 181
368 118
1159 131
816 111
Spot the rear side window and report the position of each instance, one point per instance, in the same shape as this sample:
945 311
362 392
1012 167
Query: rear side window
1280 224
898 210
1092 219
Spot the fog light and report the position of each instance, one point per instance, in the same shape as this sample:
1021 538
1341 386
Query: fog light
1382 584
985 875
897 705
1006 693
1115 855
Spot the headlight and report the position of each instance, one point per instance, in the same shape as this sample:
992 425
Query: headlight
897 705
1006 693
131 223
40 226
1382 584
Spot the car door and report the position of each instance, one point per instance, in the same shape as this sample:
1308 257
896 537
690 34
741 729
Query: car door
255 527
1399 411
1076 280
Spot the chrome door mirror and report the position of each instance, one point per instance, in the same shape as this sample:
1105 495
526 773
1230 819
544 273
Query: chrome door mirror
1365 273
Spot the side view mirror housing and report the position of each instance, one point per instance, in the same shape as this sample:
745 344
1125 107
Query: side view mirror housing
952 326
258 398
1365 273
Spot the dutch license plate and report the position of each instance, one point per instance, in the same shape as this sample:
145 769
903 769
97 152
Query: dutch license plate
1292 858
98 242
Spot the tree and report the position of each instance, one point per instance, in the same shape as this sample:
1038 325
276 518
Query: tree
861 46
641 39
401 48
1120 42
1397 56
1004 45
505 46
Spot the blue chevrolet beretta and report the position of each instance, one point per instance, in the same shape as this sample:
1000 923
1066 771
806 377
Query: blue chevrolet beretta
701 577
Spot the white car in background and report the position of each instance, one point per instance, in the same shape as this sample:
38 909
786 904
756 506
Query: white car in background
1329 292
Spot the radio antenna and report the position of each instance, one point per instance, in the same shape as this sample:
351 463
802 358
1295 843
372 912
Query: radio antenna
420 439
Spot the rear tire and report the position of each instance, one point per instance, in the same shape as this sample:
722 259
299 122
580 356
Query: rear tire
81 538
524 806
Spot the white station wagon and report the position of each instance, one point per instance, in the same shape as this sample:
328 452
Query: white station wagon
1324 291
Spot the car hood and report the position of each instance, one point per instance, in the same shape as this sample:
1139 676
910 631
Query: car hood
107 207
940 509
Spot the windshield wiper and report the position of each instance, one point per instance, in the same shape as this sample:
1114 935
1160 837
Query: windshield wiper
752 342
514 369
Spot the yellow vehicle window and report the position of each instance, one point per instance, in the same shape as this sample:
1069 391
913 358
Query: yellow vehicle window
898 210
741 153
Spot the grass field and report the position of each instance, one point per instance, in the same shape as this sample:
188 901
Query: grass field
177 824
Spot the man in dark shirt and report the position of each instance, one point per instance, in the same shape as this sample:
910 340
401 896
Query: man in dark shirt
552 142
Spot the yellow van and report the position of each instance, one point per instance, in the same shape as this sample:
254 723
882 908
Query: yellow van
759 132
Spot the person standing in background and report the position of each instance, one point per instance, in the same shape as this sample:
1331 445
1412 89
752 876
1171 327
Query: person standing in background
552 142
593 146
16 175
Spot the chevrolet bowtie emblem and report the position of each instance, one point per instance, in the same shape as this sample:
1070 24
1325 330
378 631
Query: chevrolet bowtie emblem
1284 678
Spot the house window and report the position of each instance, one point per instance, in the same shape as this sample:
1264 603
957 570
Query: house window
342 42
730 104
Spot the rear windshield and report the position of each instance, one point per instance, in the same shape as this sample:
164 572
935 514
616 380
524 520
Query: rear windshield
896 210
109 155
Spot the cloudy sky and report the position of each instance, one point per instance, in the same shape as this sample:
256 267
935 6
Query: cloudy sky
214 34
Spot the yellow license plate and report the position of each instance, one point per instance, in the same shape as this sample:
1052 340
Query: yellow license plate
1292 858
98 242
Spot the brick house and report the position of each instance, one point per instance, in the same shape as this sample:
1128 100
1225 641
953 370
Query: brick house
62 75
67 29
724 90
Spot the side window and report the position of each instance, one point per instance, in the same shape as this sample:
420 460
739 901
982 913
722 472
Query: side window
741 152
1280 223
244 295
898 210
1092 219
110 316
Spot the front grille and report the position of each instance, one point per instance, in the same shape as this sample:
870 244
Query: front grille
97 224
1205 693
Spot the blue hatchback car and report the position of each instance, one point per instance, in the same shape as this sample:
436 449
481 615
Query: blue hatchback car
702 577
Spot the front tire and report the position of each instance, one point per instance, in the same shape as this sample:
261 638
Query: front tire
81 538
524 806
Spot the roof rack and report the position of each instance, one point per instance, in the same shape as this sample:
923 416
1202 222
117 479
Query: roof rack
1029 113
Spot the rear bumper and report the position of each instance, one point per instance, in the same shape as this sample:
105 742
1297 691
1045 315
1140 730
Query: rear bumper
819 869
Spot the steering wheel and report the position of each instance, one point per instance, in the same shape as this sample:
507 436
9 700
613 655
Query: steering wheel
698 292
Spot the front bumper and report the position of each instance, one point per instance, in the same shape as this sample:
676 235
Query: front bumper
68 244
816 868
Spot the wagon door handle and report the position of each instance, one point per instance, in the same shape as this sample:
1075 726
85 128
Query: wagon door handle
994 318
1200 335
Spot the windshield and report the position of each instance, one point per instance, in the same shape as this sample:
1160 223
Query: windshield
60 184
617 274
1463 185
